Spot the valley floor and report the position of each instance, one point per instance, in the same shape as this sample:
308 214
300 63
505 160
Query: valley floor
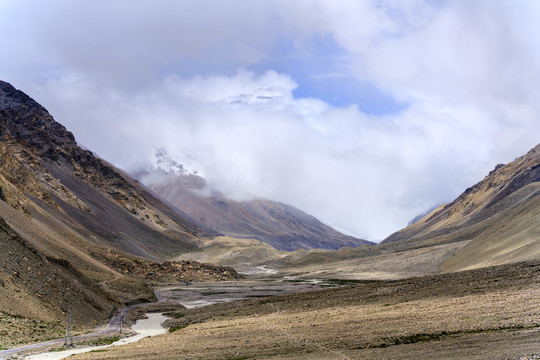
490 313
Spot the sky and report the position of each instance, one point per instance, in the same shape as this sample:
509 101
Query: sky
362 113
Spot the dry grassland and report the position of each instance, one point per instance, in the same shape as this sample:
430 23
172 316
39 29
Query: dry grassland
488 313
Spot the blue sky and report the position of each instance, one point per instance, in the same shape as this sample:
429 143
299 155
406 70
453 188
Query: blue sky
362 113
323 71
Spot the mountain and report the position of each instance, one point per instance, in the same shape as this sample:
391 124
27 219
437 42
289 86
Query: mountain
282 226
75 232
44 171
499 218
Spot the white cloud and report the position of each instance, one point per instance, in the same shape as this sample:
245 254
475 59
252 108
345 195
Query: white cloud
128 78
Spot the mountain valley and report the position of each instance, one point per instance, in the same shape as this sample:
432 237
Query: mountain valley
79 236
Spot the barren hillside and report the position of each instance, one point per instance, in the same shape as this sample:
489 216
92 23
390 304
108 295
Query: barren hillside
499 216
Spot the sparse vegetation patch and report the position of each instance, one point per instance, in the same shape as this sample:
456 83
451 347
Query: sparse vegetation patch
422 337
105 341
176 328
175 315
16 330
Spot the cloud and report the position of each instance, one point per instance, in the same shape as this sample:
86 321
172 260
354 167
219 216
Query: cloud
248 136
216 85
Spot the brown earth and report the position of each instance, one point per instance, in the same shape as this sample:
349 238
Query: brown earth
229 251
380 262
37 289
486 313
38 283
385 265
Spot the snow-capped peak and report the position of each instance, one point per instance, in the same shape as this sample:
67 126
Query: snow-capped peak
169 165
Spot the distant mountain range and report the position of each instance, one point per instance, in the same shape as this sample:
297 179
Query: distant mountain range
280 225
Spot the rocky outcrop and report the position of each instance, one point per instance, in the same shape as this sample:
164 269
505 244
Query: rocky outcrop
168 271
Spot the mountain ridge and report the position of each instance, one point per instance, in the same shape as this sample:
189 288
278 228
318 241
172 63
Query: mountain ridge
478 202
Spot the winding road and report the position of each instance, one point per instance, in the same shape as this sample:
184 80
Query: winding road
113 327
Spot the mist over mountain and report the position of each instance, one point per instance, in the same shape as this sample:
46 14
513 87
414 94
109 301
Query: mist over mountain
77 233
280 225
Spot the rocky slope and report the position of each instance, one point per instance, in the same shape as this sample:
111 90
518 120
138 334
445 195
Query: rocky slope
42 169
499 215
282 226
28 275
